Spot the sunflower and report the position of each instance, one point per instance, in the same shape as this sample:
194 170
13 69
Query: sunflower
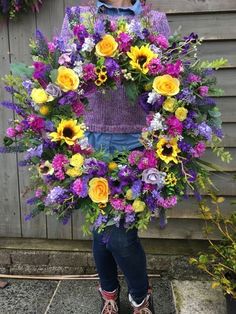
167 150
140 57
69 131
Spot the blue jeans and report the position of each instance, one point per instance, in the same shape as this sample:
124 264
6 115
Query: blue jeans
122 248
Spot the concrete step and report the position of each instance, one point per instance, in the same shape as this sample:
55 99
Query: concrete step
197 297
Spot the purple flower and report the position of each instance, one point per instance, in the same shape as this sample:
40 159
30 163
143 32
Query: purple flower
146 106
203 90
175 126
80 32
125 42
192 175
10 105
167 202
155 66
148 160
53 90
198 150
112 66
99 27
28 85
95 167
36 123
80 187
154 176
89 72
56 195
126 174
34 152
162 41
100 220
136 188
68 98
174 69
193 78
40 70
205 130
11 132
116 186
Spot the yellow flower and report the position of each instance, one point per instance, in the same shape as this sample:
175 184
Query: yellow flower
98 82
167 150
67 79
69 131
77 160
45 169
39 95
169 104
181 113
98 190
44 110
107 47
166 85
102 77
129 195
138 206
171 179
140 57
112 165
74 172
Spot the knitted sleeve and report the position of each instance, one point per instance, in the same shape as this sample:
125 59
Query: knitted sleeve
161 24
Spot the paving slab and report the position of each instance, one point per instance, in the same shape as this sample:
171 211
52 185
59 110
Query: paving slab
26 296
197 297
81 297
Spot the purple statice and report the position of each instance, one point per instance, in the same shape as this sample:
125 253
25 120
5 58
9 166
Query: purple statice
218 132
146 106
28 85
187 95
112 66
56 195
151 202
10 105
99 28
208 72
42 45
80 187
136 188
193 78
34 152
129 219
78 108
28 217
184 146
136 28
68 98
101 219
125 42
69 14
94 167
126 174
189 124
204 130
32 200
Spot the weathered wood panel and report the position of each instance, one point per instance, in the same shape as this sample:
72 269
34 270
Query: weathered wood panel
9 193
20 33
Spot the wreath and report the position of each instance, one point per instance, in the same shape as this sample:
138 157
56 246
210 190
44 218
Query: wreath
13 8
172 85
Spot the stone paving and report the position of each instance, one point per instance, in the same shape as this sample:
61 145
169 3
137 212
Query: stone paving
81 297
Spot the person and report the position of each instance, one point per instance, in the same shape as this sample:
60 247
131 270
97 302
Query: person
114 124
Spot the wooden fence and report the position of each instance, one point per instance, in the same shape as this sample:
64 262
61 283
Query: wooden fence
212 19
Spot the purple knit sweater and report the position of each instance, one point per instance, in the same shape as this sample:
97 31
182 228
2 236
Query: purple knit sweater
112 112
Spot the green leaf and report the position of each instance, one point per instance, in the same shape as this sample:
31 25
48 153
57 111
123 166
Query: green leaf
131 91
215 64
21 70
7 141
53 75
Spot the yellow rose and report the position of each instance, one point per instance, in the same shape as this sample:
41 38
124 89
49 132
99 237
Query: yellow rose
74 172
138 206
166 85
112 165
169 104
39 95
77 160
181 113
44 110
129 195
67 79
107 46
98 190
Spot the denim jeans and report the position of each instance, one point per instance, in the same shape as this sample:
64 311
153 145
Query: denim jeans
118 247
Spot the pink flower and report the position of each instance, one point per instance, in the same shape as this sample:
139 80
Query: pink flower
129 209
175 126
89 72
64 58
203 90
174 69
134 157
36 123
162 41
77 186
199 150
51 47
148 160
113 25
125 41
58 163
155 66
118 203
11 132
168 202
38 193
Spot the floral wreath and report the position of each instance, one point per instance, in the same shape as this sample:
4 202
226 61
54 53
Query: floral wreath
174 88
13 8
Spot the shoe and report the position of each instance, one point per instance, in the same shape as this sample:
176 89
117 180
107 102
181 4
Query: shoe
146 307
110 301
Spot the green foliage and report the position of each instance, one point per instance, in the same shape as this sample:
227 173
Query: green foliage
215 64
21 70
220 152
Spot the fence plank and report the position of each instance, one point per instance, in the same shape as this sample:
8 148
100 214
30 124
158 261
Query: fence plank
9 193
20 33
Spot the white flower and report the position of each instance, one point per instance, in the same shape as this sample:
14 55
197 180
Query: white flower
78 68
152 97
158 122
88 44
84 143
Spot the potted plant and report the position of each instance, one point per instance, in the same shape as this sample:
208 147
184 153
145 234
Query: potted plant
219 261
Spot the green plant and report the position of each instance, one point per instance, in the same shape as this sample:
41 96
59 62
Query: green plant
219 262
